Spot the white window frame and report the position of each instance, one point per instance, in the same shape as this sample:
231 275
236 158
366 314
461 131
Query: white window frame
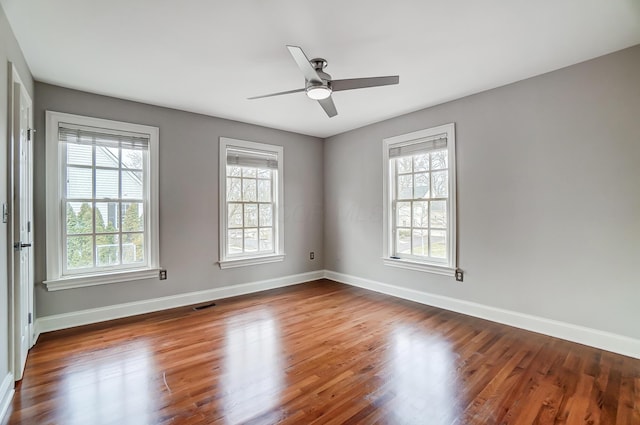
447 268
56 279
229 261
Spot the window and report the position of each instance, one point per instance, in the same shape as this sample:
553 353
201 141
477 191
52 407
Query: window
102 201
250 202
420 200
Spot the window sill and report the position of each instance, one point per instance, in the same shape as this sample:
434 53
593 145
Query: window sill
421 267
70 282
250 261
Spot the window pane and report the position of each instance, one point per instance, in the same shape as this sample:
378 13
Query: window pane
266 215
440 184
107 157
250 240
420 242
421 186
79 183
132 217
79 218
248 172
79 154
403 218
234 189
438 244
248 190
251 215
405 187
264 190
264 174
403 241
233 171
404 164
266 239
107 184
131 185
439 214
132 158
107 219
83 220
234 217
420 214
439 160
79 252
133 248
421 162
234 240
107 250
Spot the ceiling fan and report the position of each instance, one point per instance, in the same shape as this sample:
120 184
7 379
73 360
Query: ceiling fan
319 85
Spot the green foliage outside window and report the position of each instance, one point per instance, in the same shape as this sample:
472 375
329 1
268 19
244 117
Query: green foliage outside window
80 243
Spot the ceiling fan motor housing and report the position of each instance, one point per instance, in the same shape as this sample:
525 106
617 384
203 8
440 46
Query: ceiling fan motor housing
319 64
319 89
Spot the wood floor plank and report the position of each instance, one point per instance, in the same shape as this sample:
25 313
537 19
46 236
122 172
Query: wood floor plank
320 353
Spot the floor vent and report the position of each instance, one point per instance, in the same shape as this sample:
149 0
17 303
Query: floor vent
202 307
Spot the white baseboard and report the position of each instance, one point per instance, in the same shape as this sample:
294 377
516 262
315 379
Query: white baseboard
95 315
580 334
6 394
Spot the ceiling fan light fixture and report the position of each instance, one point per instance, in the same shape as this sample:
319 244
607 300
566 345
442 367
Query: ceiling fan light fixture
318 92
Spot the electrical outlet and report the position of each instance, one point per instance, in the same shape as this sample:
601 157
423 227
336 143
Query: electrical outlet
312 255
459 275
163 274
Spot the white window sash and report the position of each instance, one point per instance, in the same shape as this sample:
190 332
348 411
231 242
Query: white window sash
441 137
254 155
69 134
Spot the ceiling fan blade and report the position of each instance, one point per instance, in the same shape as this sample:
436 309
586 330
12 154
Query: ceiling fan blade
361 83
301 59
276 94
328 106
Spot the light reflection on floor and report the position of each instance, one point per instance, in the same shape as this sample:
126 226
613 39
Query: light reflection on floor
422 372
252 380
114 386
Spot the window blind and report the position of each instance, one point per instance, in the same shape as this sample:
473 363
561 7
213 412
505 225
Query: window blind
418 146
254 159
68 133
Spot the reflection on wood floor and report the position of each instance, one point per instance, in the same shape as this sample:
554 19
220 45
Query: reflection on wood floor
323 353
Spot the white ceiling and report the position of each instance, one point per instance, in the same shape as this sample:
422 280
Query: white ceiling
208 56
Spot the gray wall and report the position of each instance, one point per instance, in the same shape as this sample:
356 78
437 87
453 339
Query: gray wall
9 52
548 196
188 201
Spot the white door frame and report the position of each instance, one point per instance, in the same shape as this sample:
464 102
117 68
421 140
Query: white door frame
13 155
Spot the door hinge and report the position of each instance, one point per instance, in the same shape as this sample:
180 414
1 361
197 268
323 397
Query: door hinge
28 226
30 132
29 318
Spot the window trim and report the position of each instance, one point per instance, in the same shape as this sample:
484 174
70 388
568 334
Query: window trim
54 190
449 268
225 260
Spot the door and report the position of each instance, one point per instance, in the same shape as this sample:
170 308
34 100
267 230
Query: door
22 228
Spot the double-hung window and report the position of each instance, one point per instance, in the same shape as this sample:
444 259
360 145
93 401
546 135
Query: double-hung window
250 203
420 200
102 201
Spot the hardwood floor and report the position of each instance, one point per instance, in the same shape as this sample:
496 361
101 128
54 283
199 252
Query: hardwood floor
320 353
